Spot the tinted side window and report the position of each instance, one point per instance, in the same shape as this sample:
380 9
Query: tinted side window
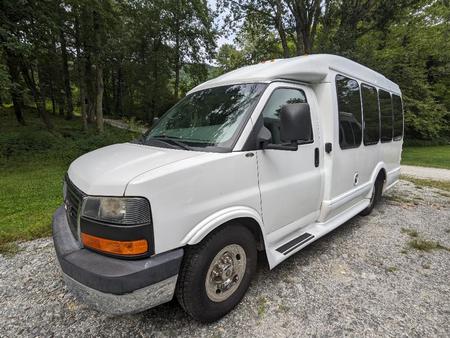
349 107
371 116
271 112
385 116
398 117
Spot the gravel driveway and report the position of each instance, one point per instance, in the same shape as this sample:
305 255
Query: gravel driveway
361 280
426 173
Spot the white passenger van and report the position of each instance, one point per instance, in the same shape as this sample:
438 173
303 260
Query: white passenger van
268 158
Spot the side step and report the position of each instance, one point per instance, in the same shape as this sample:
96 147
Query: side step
296 242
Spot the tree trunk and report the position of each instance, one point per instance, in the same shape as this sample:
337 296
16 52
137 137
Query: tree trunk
306 15
40 106
99 87
299 40
52 97
119 91
279 25
307 43
81 75
177 49
89 89
177 65
99 98
16 92
65 73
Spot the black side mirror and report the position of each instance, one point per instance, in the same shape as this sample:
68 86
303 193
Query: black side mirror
295 121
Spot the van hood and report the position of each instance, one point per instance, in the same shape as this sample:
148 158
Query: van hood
107 171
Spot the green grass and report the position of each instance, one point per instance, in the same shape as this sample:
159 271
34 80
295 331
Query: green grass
421 182
33 162
425 245
432 156
410 232
262 306
391 269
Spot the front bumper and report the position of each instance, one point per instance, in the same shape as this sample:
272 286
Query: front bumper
114 285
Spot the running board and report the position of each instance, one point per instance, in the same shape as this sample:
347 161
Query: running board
296 242
277 254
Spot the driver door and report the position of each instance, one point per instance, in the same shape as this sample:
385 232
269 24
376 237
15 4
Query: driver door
290 181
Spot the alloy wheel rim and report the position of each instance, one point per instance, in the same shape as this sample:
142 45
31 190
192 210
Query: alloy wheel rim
225 273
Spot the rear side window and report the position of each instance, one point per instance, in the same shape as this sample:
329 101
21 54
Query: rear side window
370 113
398 117
385 116
349 107
271 112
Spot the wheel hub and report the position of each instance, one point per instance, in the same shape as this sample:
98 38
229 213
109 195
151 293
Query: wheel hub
225 272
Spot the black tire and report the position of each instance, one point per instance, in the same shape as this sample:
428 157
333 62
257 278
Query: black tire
376 196
191 289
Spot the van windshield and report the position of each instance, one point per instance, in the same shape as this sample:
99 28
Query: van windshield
210 118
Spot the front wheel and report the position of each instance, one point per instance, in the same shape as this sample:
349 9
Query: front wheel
216 273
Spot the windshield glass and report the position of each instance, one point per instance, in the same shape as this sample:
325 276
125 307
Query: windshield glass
208 118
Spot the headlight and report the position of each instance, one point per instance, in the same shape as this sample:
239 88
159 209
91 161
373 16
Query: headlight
119 210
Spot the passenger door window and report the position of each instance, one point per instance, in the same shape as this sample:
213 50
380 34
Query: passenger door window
398 117
271 112
349 106
385 116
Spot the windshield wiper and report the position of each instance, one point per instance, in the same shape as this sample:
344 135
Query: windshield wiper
170 140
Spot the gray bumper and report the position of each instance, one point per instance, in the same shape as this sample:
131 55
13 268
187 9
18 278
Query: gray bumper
110 284
136 301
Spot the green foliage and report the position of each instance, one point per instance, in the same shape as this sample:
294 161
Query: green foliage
32 164
414 52
407 41
229 58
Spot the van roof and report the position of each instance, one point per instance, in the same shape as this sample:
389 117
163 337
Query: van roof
315 68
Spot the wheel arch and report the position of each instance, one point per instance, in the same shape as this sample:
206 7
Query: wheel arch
380 168
245 216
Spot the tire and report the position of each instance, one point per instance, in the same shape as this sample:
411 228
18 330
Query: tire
207 300
376 196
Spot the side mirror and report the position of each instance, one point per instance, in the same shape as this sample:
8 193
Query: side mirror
295 121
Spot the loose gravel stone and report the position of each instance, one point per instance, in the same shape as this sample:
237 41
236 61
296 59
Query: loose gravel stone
360 280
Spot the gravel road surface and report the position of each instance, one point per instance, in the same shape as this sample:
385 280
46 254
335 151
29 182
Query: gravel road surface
426 173
363 279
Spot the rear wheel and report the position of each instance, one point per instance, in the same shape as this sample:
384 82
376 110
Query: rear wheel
375 197
216 273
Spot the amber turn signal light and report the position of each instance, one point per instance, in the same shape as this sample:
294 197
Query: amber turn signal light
137 247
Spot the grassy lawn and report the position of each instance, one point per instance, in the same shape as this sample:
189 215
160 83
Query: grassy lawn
33 162
433 156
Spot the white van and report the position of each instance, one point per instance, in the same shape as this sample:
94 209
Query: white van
268 158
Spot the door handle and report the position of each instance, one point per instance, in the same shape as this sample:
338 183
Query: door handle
316 157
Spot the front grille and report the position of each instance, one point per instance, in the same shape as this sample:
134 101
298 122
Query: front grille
73 200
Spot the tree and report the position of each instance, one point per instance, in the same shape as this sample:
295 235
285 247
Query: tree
64 59
192 33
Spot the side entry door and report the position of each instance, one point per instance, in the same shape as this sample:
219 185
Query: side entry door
290 181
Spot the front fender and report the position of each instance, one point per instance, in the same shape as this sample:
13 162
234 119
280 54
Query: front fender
202 229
